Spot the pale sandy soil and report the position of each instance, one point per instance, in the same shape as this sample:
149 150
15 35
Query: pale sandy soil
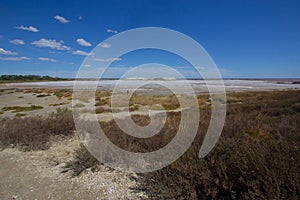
37 175
12 97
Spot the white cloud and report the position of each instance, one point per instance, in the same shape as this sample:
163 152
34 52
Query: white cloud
105 45
47 59
53 44
17 42
14 58
80 17
69 63
82 53
112 31
61 19
86 65
107 59
29 28
6 52
83 42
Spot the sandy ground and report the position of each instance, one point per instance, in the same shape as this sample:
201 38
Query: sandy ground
13 97
16 97
37 175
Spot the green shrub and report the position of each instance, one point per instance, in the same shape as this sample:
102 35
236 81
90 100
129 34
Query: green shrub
58 104
21 108
21 114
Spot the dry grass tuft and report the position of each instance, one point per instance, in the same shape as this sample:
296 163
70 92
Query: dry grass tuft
34 133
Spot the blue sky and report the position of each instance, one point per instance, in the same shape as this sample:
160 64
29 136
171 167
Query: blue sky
246 39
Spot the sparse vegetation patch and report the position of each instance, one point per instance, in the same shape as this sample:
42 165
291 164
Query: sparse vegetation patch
34 133
22 108
58 104
43 95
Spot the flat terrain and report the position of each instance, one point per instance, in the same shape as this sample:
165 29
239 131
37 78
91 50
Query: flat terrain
155 86
53 169
40 175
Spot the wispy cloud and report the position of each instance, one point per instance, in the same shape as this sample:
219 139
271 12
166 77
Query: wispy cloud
83 42
69 63
112 31
80 17
107 59
105 45
17 42
14 58
53 44
29 28
61 19
47 59
6 52
82 53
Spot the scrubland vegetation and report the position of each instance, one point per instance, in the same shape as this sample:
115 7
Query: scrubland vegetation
42 92
257 156
28 78
21 108
35 133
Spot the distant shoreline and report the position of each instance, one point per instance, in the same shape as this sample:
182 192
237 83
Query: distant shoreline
29 78
35 78
162 87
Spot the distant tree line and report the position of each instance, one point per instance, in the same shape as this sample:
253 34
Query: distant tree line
21 78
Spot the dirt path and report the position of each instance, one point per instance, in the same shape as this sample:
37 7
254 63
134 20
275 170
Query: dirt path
20 180
37 175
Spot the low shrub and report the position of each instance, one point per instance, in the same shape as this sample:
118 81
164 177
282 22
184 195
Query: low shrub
43 95
79 105
58 104
34 133
21 114
134 108
62 93
257 156
82 160
101 109
101 102
22 108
